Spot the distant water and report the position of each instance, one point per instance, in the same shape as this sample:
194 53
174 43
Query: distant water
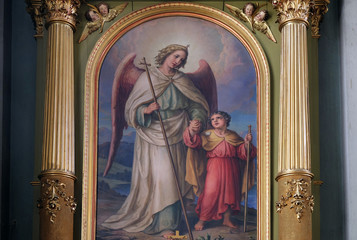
252 197
124 189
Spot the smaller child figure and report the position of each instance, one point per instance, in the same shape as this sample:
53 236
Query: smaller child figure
225 151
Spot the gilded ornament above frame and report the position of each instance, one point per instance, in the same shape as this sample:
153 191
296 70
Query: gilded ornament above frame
95 60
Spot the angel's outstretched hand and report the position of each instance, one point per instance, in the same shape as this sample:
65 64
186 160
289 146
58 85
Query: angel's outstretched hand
152 107
194 127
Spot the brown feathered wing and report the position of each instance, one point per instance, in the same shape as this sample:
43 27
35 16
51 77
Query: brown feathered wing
203 78
125 77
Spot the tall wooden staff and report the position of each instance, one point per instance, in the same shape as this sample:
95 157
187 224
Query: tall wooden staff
246 183
168 150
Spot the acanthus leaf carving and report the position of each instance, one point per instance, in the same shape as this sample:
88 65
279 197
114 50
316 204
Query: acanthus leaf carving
320 9
293 10
51 196
62 10
298 198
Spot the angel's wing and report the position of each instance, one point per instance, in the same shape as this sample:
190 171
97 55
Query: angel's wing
238 13
120 7
90 28
257 9
203 78
269 33
263 27
125 77
114 12
93 7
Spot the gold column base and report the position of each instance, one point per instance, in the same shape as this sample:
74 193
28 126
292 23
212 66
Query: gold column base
295 207
57 206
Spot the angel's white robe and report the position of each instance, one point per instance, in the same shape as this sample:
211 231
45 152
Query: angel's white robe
153 185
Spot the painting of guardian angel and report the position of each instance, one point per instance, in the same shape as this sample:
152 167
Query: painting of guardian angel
175 154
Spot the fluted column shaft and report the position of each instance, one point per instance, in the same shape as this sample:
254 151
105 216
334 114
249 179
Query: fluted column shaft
58 141
294 129
57 177
294 158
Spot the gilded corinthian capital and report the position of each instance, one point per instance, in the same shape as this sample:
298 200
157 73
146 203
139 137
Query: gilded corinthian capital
62 11
35 9
293 10
318 11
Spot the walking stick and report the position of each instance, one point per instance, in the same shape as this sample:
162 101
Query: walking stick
246 183
168 150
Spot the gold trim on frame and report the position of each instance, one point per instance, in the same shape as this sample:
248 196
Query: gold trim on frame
94 63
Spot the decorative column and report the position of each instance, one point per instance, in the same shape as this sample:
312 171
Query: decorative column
294 160
320 8
35 9
57 177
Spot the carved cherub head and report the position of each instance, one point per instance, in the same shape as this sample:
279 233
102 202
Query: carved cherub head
91 15
103 8
249 9
262 15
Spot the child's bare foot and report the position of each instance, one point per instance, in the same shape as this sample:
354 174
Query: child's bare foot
199 225
229 223
167 234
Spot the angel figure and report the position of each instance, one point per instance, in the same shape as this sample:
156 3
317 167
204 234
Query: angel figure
108 13
152 205
255 17
97 16
93 24
246 14
260 24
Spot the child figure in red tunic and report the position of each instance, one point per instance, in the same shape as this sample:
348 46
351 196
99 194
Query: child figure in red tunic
225 149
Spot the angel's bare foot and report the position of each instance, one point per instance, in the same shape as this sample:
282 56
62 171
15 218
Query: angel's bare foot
167 234
199 225
229 223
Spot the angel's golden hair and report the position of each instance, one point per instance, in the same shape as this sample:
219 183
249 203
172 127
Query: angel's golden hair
165 52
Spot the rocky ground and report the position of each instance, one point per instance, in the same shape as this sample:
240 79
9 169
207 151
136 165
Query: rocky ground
109 203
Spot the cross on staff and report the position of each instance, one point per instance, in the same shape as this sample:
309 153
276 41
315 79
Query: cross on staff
177 236
168 149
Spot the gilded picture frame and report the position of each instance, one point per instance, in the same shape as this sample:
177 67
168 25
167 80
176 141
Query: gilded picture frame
92 77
